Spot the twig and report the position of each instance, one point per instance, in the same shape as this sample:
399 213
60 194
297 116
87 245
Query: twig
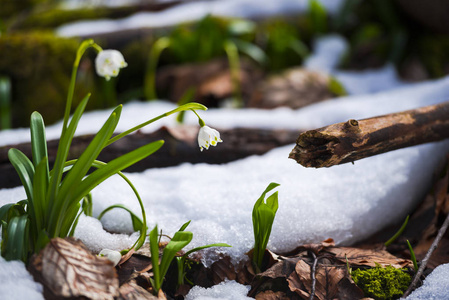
313 275
356 139
423 265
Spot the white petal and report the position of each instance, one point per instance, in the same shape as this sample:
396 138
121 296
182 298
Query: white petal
108 63
112 255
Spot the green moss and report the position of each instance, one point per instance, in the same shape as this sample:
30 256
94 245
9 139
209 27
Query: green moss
382 283
39 66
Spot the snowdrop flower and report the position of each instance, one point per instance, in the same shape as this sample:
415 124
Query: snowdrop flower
112 255
108 63
207 137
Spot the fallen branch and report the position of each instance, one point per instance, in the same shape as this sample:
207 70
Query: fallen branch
352 140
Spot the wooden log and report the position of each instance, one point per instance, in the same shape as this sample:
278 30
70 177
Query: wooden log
180 146
356 139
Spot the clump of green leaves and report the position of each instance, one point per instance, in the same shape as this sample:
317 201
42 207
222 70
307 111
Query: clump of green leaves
382 283
208 38
263 218
282 44
160 267
54 200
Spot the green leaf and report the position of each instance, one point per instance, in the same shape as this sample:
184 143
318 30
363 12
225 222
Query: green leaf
39 199
61 157
87 205
156 282
137 222
17 246
263 218
38 139
204 247
184 226
252 50
176 244
84 162
118 164
24 169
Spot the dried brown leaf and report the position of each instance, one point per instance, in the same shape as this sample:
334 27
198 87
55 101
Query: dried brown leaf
368 257
270 295
316 248
134 266
327 279
223 269
348 290
69 269
132 291
282 268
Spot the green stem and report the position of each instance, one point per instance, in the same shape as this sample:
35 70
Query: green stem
150 76
180 263
192 106
82 48
234 65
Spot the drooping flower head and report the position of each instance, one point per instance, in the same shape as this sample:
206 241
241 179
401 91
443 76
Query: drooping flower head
208 137
112 255
109 62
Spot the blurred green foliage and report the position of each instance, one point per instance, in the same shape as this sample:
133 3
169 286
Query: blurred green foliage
282 44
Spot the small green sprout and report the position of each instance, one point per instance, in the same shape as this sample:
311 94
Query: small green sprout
382 283
412 256
398 233
181 239
263 218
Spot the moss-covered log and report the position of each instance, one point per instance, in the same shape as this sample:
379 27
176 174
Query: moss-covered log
39 65
352 140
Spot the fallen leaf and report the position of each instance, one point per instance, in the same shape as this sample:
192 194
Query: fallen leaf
132 291
316 248
270 295
368 257
134 266
69 269
327 279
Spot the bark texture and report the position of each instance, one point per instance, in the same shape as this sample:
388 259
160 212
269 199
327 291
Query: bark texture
356 139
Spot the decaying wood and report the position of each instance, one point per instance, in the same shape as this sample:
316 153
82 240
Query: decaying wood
356 139
180 146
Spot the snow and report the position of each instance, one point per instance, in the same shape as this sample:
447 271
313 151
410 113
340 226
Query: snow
327 53
192 11
16 283
435 286
227 290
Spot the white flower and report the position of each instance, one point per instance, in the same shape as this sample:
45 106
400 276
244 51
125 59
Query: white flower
207 137
112 255
108 63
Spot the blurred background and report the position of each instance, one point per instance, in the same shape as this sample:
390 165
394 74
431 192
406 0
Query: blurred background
240 53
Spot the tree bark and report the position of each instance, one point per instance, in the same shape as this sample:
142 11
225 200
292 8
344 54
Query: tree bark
352 140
